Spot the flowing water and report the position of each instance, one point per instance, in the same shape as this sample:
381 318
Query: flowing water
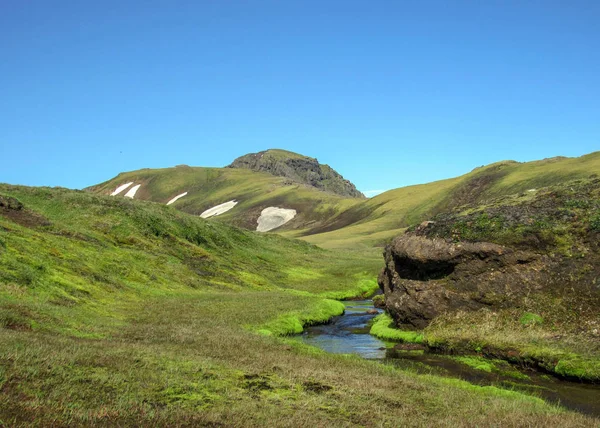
349 334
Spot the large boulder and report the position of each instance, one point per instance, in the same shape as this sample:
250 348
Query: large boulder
424 277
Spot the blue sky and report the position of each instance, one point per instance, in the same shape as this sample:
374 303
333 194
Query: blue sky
389 93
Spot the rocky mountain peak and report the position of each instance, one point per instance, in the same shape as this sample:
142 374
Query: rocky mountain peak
299 168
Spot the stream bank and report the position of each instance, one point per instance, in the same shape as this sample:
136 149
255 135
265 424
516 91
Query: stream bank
349 334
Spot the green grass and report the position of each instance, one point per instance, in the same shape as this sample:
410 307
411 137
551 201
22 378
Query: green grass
490 366
383 328
557 345
476 363
294 322
118 312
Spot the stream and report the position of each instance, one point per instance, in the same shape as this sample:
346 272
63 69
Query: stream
349 334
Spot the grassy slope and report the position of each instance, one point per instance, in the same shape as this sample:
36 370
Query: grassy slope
254 191
129 312
385 216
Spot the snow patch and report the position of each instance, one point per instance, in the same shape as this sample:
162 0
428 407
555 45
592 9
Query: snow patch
176 197
273 217
132 191
121 188
219 209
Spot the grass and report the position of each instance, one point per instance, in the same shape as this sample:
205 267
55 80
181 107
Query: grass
553 345
294 322
477 363
183 361
487 365
383 328
118 312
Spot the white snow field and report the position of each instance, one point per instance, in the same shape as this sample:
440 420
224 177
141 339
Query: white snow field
132 191
176 197
273 217
219 209
121 188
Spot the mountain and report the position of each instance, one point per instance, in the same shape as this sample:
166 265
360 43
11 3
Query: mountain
298 168
239 196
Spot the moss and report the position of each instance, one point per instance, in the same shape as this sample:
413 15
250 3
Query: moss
137 316
530 319
379 300
476 363
383 328
293 323
498 392
577 367
362 288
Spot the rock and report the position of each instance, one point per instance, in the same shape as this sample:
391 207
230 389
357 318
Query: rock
424 225
10 203
379 301
299 169
425 277
372 312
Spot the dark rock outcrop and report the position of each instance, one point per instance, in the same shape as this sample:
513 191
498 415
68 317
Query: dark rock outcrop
14 210
300 169
425 277
10 203
533 250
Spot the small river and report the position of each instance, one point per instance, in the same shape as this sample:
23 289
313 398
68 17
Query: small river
349 334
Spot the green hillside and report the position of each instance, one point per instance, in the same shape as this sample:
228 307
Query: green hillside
121 312
254 191
382 217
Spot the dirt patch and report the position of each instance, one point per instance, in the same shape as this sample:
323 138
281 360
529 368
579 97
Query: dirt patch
12 209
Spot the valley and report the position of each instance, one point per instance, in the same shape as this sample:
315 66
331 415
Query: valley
152 299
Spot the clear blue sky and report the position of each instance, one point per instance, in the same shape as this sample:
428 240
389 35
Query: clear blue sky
389 93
